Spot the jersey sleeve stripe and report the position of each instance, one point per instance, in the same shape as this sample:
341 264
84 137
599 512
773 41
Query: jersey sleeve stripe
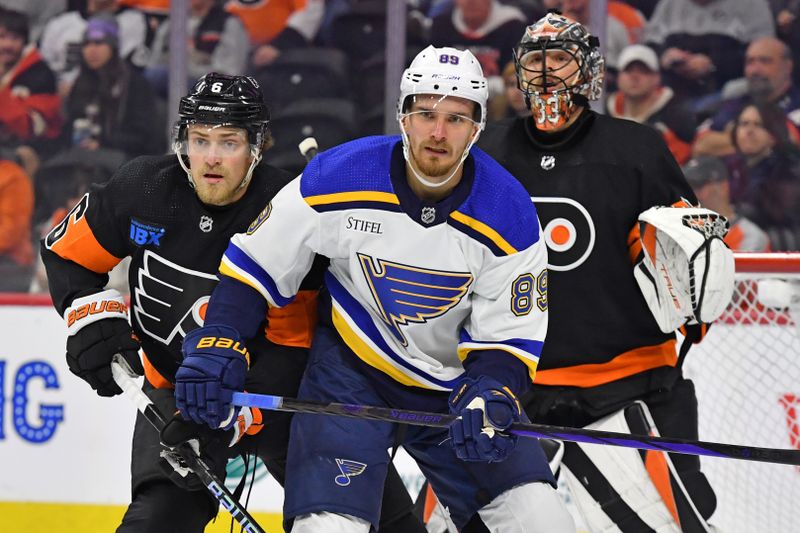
80 246
482 233
377 197
526 350
238 265
356 327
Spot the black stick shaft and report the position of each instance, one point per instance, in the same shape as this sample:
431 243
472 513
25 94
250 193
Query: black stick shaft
580 435
214 485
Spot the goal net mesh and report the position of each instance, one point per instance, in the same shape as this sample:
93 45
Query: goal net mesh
747 375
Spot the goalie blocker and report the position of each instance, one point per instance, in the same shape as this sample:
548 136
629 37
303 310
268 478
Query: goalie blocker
686 273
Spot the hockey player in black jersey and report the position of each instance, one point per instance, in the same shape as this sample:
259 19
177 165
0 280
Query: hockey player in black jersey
623 276
175 231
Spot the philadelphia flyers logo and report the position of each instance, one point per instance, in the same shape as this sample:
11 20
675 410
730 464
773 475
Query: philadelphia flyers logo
169 300
568 231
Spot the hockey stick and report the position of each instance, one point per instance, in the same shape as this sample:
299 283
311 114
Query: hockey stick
214 485
589 436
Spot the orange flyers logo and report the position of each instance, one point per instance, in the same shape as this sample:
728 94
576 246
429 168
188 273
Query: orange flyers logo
568 231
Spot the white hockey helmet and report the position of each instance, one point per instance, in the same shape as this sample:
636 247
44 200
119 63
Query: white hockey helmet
448 72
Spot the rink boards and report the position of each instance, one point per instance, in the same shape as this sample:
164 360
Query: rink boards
65 453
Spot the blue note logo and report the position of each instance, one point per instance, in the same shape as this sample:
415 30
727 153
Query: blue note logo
146 234
348 469
406 294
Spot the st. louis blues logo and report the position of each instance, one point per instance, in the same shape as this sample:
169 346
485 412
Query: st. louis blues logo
407 294
348 469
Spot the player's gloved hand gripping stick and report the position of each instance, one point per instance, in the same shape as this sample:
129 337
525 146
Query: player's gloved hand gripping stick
123 376
591 436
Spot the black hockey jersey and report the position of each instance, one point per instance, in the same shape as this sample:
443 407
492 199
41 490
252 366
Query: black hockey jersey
589 184
150 212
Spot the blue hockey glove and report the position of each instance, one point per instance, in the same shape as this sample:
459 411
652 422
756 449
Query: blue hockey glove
485 409
215 362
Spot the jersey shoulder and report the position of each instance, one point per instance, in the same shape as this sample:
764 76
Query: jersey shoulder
621 132
498 212
146 177
268 180
351 172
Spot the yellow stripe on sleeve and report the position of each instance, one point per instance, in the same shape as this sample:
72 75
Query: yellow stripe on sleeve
532 365
355 196
485 230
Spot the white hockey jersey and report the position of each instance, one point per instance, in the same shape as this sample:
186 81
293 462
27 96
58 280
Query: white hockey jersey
414 286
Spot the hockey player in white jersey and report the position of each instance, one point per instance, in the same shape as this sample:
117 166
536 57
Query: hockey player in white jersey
437 301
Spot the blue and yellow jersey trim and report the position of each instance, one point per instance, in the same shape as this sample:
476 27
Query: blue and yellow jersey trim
499 212
238 265
336 179
481 232
356 327
385 201
526 350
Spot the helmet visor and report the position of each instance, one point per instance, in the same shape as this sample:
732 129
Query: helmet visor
224 140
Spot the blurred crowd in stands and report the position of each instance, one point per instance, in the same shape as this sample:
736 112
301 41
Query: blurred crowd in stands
83 88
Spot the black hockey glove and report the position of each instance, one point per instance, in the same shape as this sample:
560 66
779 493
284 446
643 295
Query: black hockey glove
210 444
98 329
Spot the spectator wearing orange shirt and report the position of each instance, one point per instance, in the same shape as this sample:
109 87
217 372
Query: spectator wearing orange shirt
277 25
30 109
16 209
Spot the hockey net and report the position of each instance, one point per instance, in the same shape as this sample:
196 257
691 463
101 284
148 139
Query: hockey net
747 375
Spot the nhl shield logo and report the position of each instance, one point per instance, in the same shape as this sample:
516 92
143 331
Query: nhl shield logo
428 214
548 162
206 223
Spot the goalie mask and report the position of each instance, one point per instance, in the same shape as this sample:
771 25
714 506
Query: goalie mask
442 72
687 273
218 100
559 67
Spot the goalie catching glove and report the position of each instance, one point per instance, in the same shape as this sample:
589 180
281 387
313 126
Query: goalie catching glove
98 329
485 410
686 274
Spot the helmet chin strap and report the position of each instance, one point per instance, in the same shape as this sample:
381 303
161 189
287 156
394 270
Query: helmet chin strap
256 153
176 147
408 156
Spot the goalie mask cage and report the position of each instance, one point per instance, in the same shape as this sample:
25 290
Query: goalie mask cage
747 375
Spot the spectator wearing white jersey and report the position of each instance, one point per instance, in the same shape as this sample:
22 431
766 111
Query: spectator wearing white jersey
702 42
62 39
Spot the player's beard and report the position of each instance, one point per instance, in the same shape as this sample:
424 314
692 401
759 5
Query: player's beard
221 193
434 167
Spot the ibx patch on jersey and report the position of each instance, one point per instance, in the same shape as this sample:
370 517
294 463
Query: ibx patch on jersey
146 234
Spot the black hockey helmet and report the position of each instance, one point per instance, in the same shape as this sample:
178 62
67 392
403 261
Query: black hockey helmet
220 99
